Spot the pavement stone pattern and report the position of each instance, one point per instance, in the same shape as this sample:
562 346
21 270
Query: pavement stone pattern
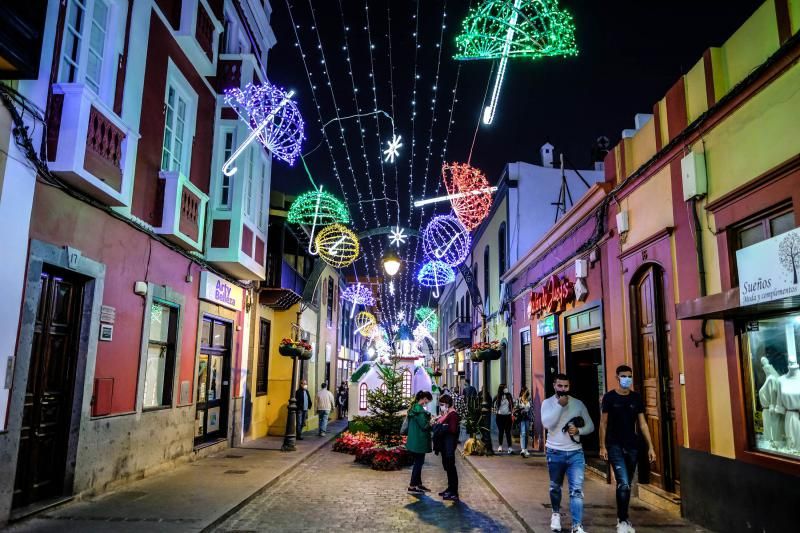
329 492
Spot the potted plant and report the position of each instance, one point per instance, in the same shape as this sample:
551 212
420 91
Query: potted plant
299 348
485 351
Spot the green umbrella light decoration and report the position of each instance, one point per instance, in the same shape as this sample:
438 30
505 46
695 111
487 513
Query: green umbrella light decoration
317 209
503 29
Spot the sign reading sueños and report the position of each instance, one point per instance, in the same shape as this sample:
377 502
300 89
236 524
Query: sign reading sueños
554 297
769 270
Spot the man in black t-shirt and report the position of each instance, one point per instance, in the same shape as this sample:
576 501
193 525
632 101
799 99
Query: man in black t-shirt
622 409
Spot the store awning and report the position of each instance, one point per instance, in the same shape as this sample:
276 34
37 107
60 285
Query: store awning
727 306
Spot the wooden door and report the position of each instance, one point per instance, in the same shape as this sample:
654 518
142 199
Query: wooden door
47 411
651 345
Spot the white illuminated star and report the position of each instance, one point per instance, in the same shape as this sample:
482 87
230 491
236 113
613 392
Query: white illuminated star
391 288
398 236
393 145
401 316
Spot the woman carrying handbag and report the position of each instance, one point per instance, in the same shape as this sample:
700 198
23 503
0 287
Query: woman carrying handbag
524 414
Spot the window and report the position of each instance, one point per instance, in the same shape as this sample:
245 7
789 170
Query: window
160 366
249 188
765 227
330 302
772 383
362 397
173 153
263 194
407 382
226 183
486 278
469 308
501 249
85 31
262 365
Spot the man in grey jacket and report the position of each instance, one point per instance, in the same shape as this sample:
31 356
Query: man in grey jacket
565 419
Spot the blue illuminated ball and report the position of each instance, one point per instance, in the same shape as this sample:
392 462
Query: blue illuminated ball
446 239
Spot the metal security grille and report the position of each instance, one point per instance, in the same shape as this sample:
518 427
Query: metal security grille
587 340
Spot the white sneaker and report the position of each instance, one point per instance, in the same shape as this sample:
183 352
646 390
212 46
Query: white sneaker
555 522
510 451
625 527
525 454
578 529
499 449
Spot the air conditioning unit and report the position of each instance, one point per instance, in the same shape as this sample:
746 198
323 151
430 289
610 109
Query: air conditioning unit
693 172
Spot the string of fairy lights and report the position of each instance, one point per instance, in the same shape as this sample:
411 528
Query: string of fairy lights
498 30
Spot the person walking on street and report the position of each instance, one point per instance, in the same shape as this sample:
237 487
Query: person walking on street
566 420
469 391
622 409
503 404
325 403
418 442
341 400
452 427
303 400
524 414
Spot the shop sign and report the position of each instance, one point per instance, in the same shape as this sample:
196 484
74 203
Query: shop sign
769 270
215 289
546 326
554 297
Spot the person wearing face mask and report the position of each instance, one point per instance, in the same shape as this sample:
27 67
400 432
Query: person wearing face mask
503 404
622 409
566 419
303 399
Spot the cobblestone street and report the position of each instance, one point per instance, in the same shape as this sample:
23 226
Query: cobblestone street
328 491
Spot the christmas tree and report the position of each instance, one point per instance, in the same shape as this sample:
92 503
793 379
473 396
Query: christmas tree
387 405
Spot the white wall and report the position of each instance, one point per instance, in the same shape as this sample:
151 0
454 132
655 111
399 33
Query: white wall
530 210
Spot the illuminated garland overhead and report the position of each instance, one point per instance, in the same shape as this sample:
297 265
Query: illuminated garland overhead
357 294
435 274
273 118
447 240
427 317
503 29
473 208
337 245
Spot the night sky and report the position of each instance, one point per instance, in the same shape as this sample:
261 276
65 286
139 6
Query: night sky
630 53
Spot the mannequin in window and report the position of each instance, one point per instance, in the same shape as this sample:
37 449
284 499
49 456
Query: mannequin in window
789 402
768 396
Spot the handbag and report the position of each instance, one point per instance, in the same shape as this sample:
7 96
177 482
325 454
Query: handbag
404 427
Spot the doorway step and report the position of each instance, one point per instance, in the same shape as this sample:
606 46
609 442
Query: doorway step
658 497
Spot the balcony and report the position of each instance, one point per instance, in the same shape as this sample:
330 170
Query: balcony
88 145
460 334
237 71
284 285
198 35
184 211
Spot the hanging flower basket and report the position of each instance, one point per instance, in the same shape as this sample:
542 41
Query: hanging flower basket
299 349
486 351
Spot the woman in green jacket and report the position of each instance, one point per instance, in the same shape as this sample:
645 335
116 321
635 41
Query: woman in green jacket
419 439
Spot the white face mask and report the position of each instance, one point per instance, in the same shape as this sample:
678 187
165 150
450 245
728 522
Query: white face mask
625 382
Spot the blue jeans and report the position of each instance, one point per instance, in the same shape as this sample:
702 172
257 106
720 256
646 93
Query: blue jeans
623 461
323 421
571 464
523 433
300 419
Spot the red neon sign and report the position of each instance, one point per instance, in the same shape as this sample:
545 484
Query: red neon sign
554 297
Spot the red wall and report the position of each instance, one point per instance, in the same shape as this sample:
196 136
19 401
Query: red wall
60 220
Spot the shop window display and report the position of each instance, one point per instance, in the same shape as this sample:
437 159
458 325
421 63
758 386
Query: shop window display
772 374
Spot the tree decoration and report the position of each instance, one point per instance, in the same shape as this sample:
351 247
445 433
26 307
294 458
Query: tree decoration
365 322
427 317
357 294
435 274
503 29
446 239
337 245
473 208
273 118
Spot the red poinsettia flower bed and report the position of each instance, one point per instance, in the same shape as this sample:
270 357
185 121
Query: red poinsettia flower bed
369 453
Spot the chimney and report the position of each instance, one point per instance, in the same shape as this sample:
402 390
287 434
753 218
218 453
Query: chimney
547 155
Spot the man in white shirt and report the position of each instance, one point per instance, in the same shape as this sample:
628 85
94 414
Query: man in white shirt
325 403
565 419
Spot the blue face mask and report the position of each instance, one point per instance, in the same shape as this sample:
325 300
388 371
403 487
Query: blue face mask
625 382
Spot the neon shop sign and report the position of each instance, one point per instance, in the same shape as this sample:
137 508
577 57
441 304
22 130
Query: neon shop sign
554 297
